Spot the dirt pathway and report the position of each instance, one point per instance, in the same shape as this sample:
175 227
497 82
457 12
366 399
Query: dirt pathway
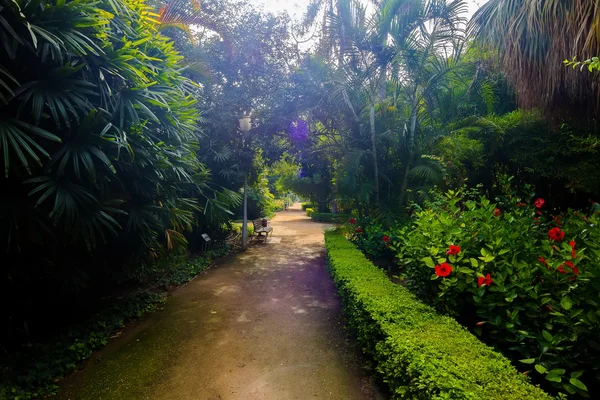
264 324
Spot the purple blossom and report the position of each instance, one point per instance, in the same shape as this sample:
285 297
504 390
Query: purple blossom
298 130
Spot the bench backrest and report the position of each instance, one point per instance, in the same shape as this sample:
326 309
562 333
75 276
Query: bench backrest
257 224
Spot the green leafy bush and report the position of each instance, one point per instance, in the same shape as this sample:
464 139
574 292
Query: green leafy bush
309 211
419 353
99 131
329 217
372 237
307 205
527 282
277 205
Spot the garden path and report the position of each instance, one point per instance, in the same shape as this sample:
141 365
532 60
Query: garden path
264 324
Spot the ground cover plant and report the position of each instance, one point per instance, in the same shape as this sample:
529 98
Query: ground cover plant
33 372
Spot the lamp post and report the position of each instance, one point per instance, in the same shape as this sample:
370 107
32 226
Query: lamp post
245 126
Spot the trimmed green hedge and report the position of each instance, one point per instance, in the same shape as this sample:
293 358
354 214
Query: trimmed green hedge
306 205
329 217
419 353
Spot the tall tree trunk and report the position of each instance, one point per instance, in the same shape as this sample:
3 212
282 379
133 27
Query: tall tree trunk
411 150
374 150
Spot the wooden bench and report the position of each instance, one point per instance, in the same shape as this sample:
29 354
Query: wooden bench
259 229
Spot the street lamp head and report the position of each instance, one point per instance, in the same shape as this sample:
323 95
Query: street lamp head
245 123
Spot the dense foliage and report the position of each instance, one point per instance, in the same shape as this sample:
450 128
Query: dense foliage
531 278
120 146
98 130
523 279
420 354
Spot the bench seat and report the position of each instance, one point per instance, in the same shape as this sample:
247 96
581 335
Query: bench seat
259 229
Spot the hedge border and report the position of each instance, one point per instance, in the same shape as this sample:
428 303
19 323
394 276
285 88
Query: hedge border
329 217
420 354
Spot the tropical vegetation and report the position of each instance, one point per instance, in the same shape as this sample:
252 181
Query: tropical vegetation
460 151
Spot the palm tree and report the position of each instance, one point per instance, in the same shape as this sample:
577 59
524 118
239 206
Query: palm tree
533 38
98 128
411 46
426 39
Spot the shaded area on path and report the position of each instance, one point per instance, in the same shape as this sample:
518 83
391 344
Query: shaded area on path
264 324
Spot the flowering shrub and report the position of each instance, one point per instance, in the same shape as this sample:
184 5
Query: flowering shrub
525 281
418 353
370 237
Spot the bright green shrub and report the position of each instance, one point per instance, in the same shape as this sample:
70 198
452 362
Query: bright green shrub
420 354
277 205
309 211
329 217
307 205
540 301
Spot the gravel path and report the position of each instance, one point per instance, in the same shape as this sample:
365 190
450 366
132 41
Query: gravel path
264 324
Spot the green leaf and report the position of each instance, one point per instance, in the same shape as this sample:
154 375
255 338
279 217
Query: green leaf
466 270
566 303
547 336
592 316
528 360
553 377
474 262
540 368
557 371
578 384
428 261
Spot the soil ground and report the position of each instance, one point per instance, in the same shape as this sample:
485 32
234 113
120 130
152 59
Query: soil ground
264 324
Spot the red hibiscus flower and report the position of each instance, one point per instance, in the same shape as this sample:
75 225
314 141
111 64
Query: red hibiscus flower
487 280
539 212
539 203
453 250
386 238
359 230
574 269
352 221
556 234
562 269
543 261
497 212
443 270
573 252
